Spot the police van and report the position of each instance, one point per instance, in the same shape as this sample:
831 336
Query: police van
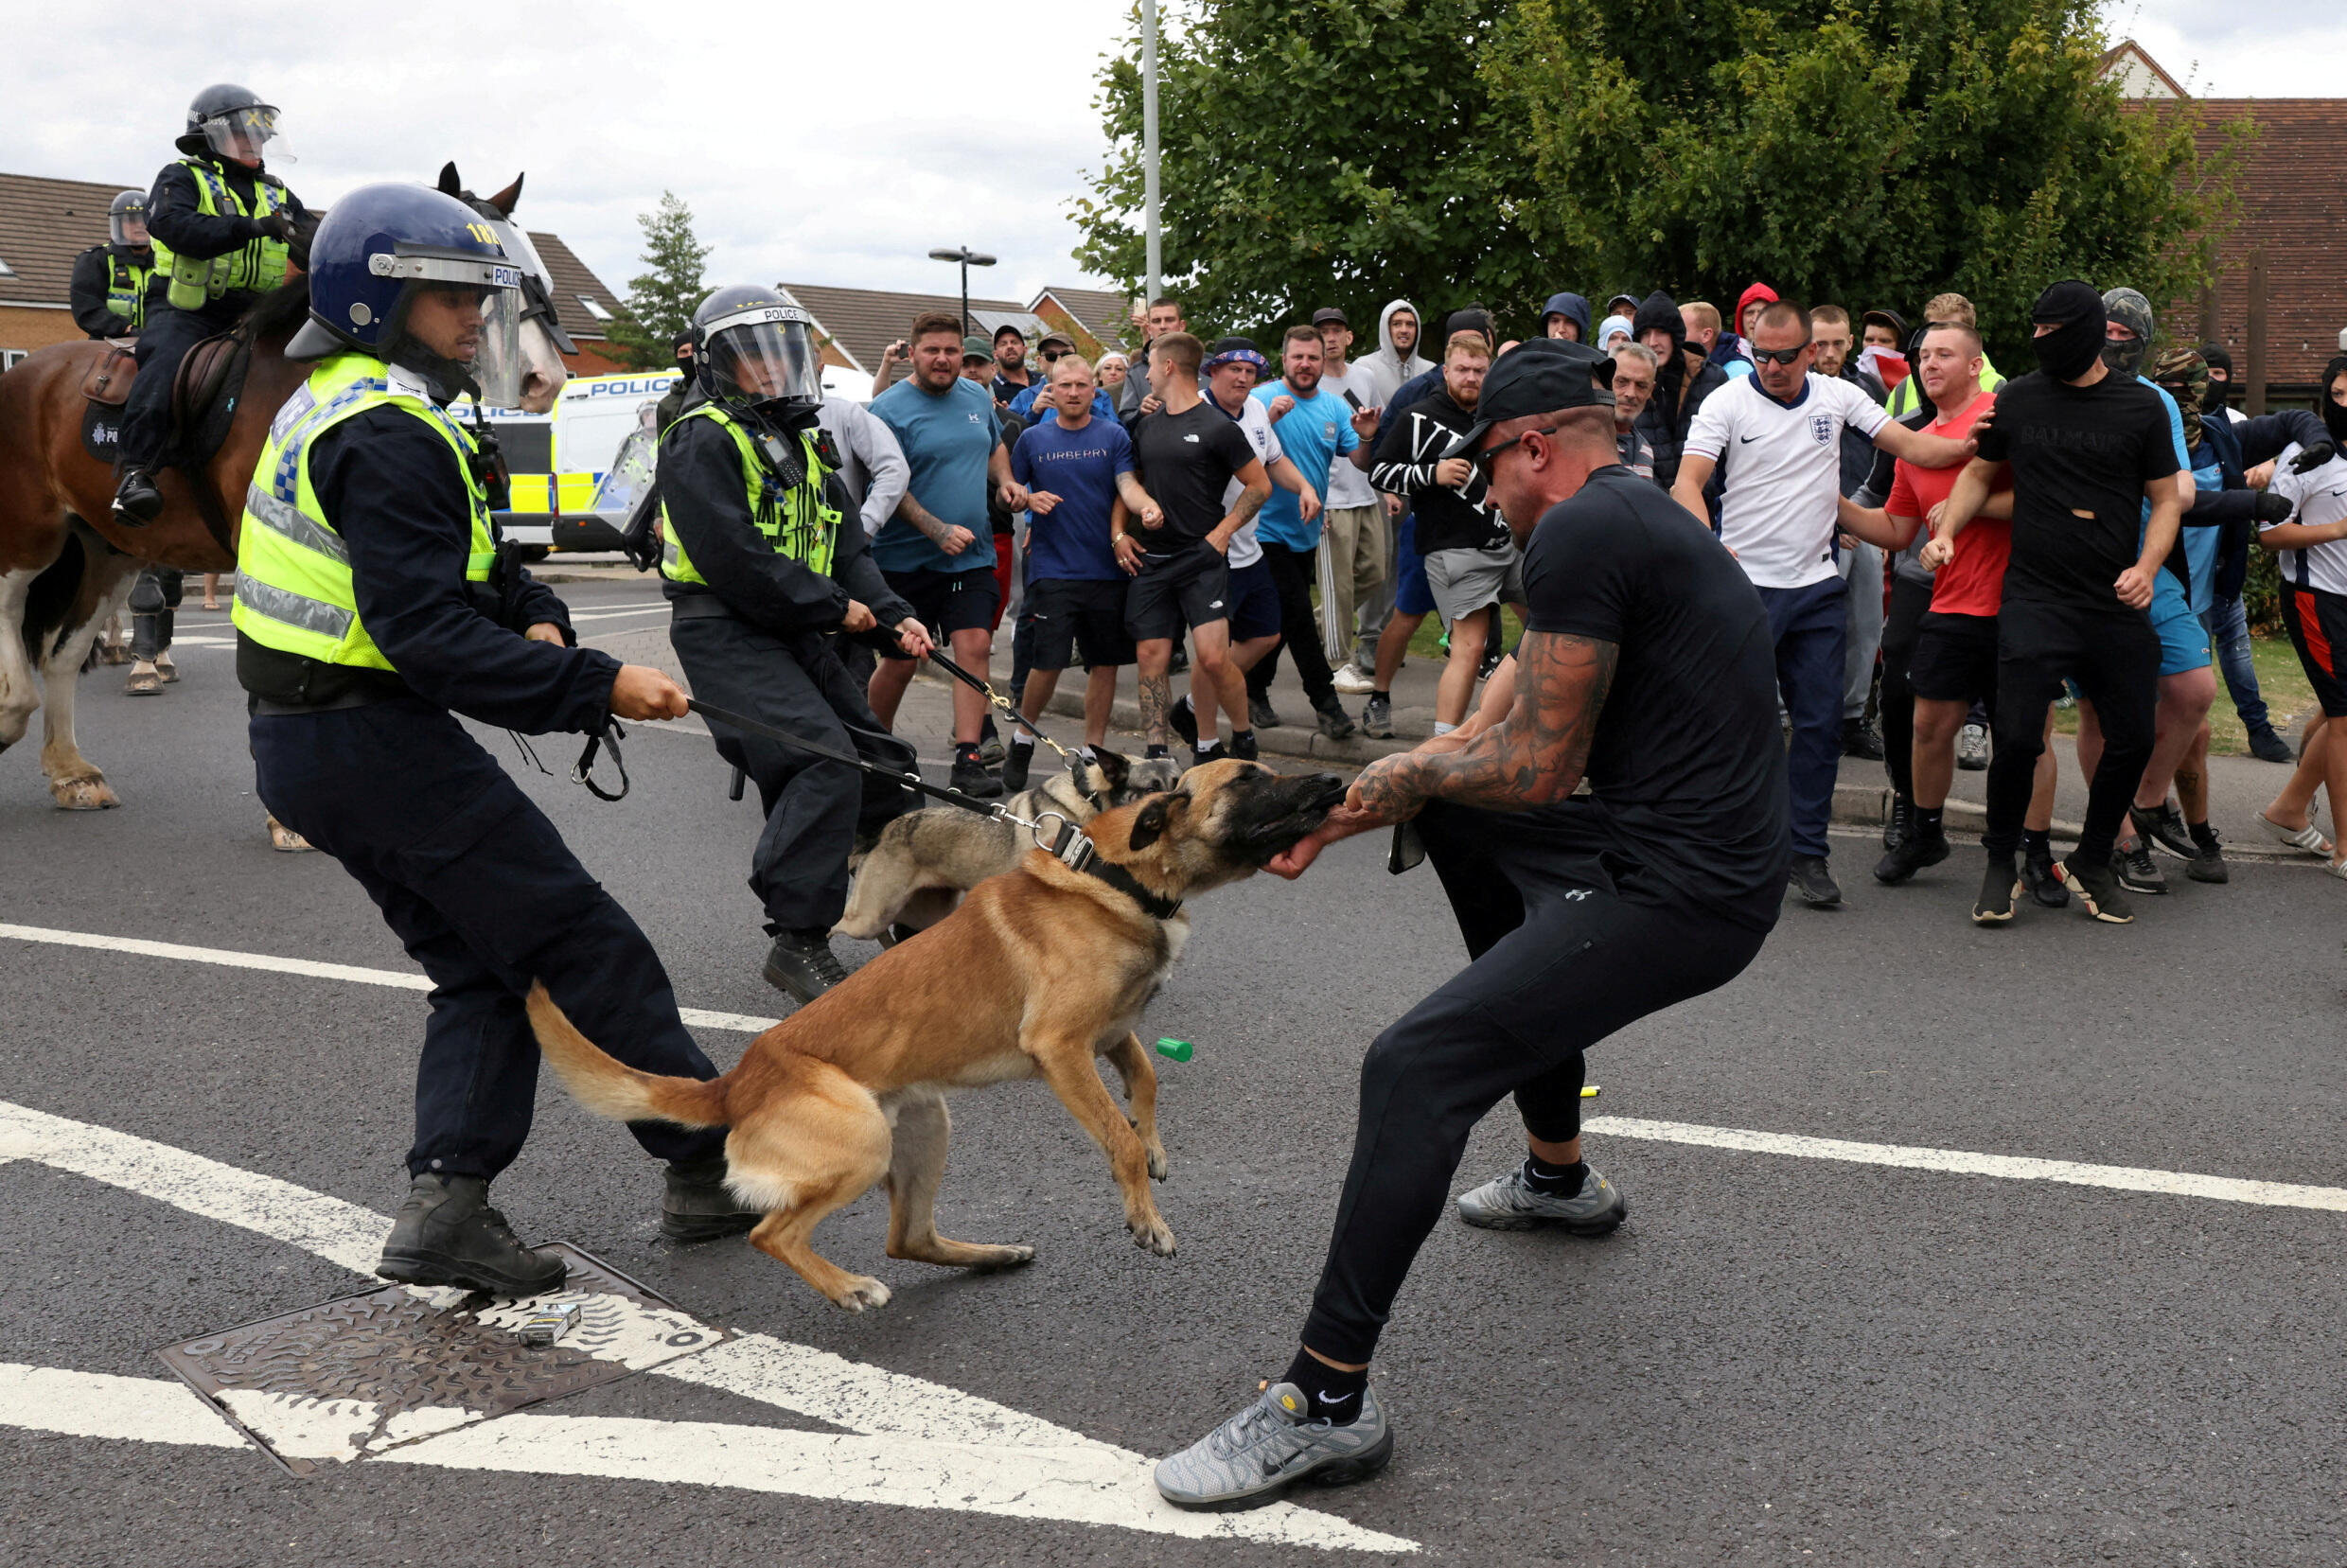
571 466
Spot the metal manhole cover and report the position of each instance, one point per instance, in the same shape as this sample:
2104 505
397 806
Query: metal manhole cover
354 1376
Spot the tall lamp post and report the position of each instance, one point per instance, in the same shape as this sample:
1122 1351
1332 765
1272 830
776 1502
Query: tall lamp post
1152 257
968 258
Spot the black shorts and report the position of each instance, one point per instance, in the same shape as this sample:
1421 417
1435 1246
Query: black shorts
946 602
1078 613
1175 595
1254 602
2318 624
1956 658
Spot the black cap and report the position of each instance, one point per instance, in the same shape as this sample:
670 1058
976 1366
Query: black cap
1014 331
1538 375
1891 319
1330 315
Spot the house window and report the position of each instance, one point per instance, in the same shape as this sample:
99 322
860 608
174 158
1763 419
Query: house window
6 270
9 357
594 307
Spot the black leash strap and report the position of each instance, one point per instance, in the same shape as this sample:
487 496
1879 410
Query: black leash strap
607 738
910 781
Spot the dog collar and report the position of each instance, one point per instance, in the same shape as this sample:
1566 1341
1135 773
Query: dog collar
1155 905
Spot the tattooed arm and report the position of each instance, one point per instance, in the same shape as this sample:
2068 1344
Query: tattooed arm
1533 757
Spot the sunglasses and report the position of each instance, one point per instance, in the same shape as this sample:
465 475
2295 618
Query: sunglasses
1052 356
1481 462
1779 355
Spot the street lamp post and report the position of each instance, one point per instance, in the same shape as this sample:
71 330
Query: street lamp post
1153 256
968 258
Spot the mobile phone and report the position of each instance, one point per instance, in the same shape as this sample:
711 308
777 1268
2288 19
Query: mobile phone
1354 401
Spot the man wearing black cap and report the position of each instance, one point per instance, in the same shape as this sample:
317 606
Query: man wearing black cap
1646 668
2088 448
1011 378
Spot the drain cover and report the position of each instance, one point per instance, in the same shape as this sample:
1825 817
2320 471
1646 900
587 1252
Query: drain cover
351 1378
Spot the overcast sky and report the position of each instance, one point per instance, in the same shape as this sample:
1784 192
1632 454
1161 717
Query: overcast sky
821 144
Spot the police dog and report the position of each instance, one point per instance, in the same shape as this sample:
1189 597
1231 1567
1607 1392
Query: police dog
925 860
1037 973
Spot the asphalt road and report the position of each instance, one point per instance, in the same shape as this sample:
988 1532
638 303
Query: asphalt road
1780 1358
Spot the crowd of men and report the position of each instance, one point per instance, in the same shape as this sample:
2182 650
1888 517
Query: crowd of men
1224 502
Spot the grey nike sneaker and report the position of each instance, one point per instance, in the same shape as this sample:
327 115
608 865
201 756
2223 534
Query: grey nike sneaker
1247 1461
1510 1203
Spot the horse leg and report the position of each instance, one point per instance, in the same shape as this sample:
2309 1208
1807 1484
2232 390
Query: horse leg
74 780
19 695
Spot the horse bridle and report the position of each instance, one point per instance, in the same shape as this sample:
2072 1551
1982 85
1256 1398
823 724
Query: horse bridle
538 300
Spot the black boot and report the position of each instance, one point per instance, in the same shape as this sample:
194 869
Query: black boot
1183 720
1921 845
1901 818
446 1234
137 500
696 1206
802 963
1334 722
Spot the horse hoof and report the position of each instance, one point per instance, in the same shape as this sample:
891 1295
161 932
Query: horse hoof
84 795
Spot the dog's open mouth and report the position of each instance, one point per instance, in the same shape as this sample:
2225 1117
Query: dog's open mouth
1292 807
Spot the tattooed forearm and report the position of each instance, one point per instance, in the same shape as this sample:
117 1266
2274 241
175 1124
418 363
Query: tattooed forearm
1533 757
1157 697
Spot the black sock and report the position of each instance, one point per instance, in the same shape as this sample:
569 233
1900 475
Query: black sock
1926 821
1240 738
1557 1180
1157 752
2034 841
1332 1395
965 748
1380 695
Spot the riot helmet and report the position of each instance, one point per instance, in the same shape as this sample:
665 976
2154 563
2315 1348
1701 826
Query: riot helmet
232 122
754 351
378 251
126 219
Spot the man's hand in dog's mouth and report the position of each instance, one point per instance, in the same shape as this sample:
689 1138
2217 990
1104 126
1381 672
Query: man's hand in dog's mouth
1344 821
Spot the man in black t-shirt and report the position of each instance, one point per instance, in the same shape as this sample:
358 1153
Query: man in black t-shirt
1186 454
1647 666
2088 448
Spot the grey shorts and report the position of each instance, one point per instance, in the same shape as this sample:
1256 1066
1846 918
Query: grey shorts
1464 581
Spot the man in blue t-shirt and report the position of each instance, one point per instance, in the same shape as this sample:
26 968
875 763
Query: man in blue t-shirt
1077 469
938 552
1316 428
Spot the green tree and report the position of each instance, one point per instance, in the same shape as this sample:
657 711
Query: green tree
663 297
1864 151
1314 153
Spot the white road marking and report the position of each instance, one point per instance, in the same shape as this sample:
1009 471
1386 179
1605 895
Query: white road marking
918 1444
2178 1183
404 979
616 612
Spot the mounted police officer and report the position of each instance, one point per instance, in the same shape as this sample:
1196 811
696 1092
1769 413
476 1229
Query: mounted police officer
109 296
222 229
109 289
371 612
765 559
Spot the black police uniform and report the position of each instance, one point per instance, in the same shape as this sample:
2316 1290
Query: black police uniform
378 773
175 217
93 281
756 640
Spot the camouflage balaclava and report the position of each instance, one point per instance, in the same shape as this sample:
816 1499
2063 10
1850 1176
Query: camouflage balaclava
2184 375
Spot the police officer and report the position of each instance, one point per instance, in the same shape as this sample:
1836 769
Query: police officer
109 289
370 614
764 559
222 228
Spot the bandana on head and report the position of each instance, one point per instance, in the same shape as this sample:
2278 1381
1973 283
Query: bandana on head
2133 311
2184 375
1238 356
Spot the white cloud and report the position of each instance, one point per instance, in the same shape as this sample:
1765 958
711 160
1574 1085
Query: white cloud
825 144
2271 49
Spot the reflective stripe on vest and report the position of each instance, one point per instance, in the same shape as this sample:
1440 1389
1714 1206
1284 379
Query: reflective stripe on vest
796 523
255 265
125 289
294 591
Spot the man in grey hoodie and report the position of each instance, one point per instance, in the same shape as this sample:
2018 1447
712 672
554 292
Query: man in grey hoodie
1374 379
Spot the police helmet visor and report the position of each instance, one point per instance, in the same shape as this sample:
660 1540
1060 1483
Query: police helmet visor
250 133
764 355
127 224
496 365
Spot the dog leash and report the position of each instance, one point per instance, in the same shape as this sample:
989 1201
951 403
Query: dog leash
1069 844
996 699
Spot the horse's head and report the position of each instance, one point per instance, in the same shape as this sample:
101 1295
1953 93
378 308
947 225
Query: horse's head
543 340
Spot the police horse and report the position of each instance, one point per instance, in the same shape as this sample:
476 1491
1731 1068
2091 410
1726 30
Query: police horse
66 565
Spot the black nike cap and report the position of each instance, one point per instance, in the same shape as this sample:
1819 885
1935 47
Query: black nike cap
1539 376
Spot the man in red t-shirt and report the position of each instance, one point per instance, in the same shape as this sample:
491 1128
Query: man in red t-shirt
1955 656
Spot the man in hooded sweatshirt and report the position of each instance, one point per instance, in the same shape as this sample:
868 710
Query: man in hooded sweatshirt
1565 316
1681 384
1374 379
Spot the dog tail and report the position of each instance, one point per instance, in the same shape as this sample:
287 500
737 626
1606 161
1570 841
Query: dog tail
613 1088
